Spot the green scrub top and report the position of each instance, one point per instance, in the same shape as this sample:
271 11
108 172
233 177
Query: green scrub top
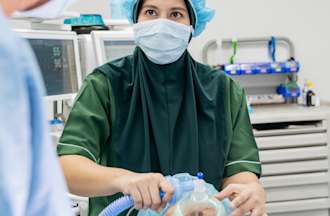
176 118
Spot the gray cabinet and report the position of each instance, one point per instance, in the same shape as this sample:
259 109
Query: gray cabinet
294 151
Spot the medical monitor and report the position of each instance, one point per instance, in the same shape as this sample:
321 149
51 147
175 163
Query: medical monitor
58 57
112 45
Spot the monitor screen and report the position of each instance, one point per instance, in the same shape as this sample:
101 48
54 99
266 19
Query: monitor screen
57 62
118 49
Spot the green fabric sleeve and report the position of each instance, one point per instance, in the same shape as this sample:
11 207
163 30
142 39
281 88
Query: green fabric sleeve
88 125
243 155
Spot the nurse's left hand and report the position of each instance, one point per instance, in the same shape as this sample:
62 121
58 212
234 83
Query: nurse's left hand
247 199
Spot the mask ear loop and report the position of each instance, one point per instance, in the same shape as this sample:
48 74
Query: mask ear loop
192 17
234 46
136 10
272 48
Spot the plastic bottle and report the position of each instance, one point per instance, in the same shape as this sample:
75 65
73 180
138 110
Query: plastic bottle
304 94
56 125
310 97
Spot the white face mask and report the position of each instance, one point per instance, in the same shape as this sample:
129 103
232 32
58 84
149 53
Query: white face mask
162 40
50 10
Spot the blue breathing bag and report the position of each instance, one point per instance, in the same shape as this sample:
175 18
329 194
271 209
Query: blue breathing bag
198 201
192 196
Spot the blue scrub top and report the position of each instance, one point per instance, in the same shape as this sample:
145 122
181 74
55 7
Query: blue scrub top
31 182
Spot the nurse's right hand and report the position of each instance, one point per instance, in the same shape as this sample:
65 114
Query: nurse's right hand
145 189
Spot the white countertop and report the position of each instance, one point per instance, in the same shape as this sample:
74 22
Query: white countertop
284 113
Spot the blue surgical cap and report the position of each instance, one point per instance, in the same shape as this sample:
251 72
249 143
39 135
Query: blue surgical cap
203 15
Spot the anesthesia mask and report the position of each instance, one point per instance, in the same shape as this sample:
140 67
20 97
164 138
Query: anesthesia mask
199 202
192 196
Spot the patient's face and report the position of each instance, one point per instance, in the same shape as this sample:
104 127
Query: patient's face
194 211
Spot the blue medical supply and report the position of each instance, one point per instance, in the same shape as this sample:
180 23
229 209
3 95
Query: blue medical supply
285 67
56 125
290 90
118 206
162 40
200 175
87 23
272 48
290 66
183 185
250 108
203 15
85 20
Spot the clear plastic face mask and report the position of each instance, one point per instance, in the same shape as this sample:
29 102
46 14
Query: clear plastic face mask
205 208
198 203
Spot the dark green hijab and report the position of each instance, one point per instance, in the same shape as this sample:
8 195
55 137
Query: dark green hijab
169 118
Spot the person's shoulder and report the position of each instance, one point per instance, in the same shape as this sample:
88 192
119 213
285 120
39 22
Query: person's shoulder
210 72
234 93
118 67
96 80
101 78
216 75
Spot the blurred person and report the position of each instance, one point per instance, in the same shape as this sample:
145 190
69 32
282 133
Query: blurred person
31 181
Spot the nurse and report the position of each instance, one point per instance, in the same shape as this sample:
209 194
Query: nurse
159 112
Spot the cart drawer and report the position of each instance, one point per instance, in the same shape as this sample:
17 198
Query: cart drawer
297 192
294 154
298 206
295 180
295 167
291 141
303 213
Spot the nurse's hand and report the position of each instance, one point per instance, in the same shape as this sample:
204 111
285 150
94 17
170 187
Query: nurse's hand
247 199
145 189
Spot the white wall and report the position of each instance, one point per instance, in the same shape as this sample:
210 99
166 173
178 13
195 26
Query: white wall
306 22
92 6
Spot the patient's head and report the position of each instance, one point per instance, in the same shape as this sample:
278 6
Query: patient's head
194 211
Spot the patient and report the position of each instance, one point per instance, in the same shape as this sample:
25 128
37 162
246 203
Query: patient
193 210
